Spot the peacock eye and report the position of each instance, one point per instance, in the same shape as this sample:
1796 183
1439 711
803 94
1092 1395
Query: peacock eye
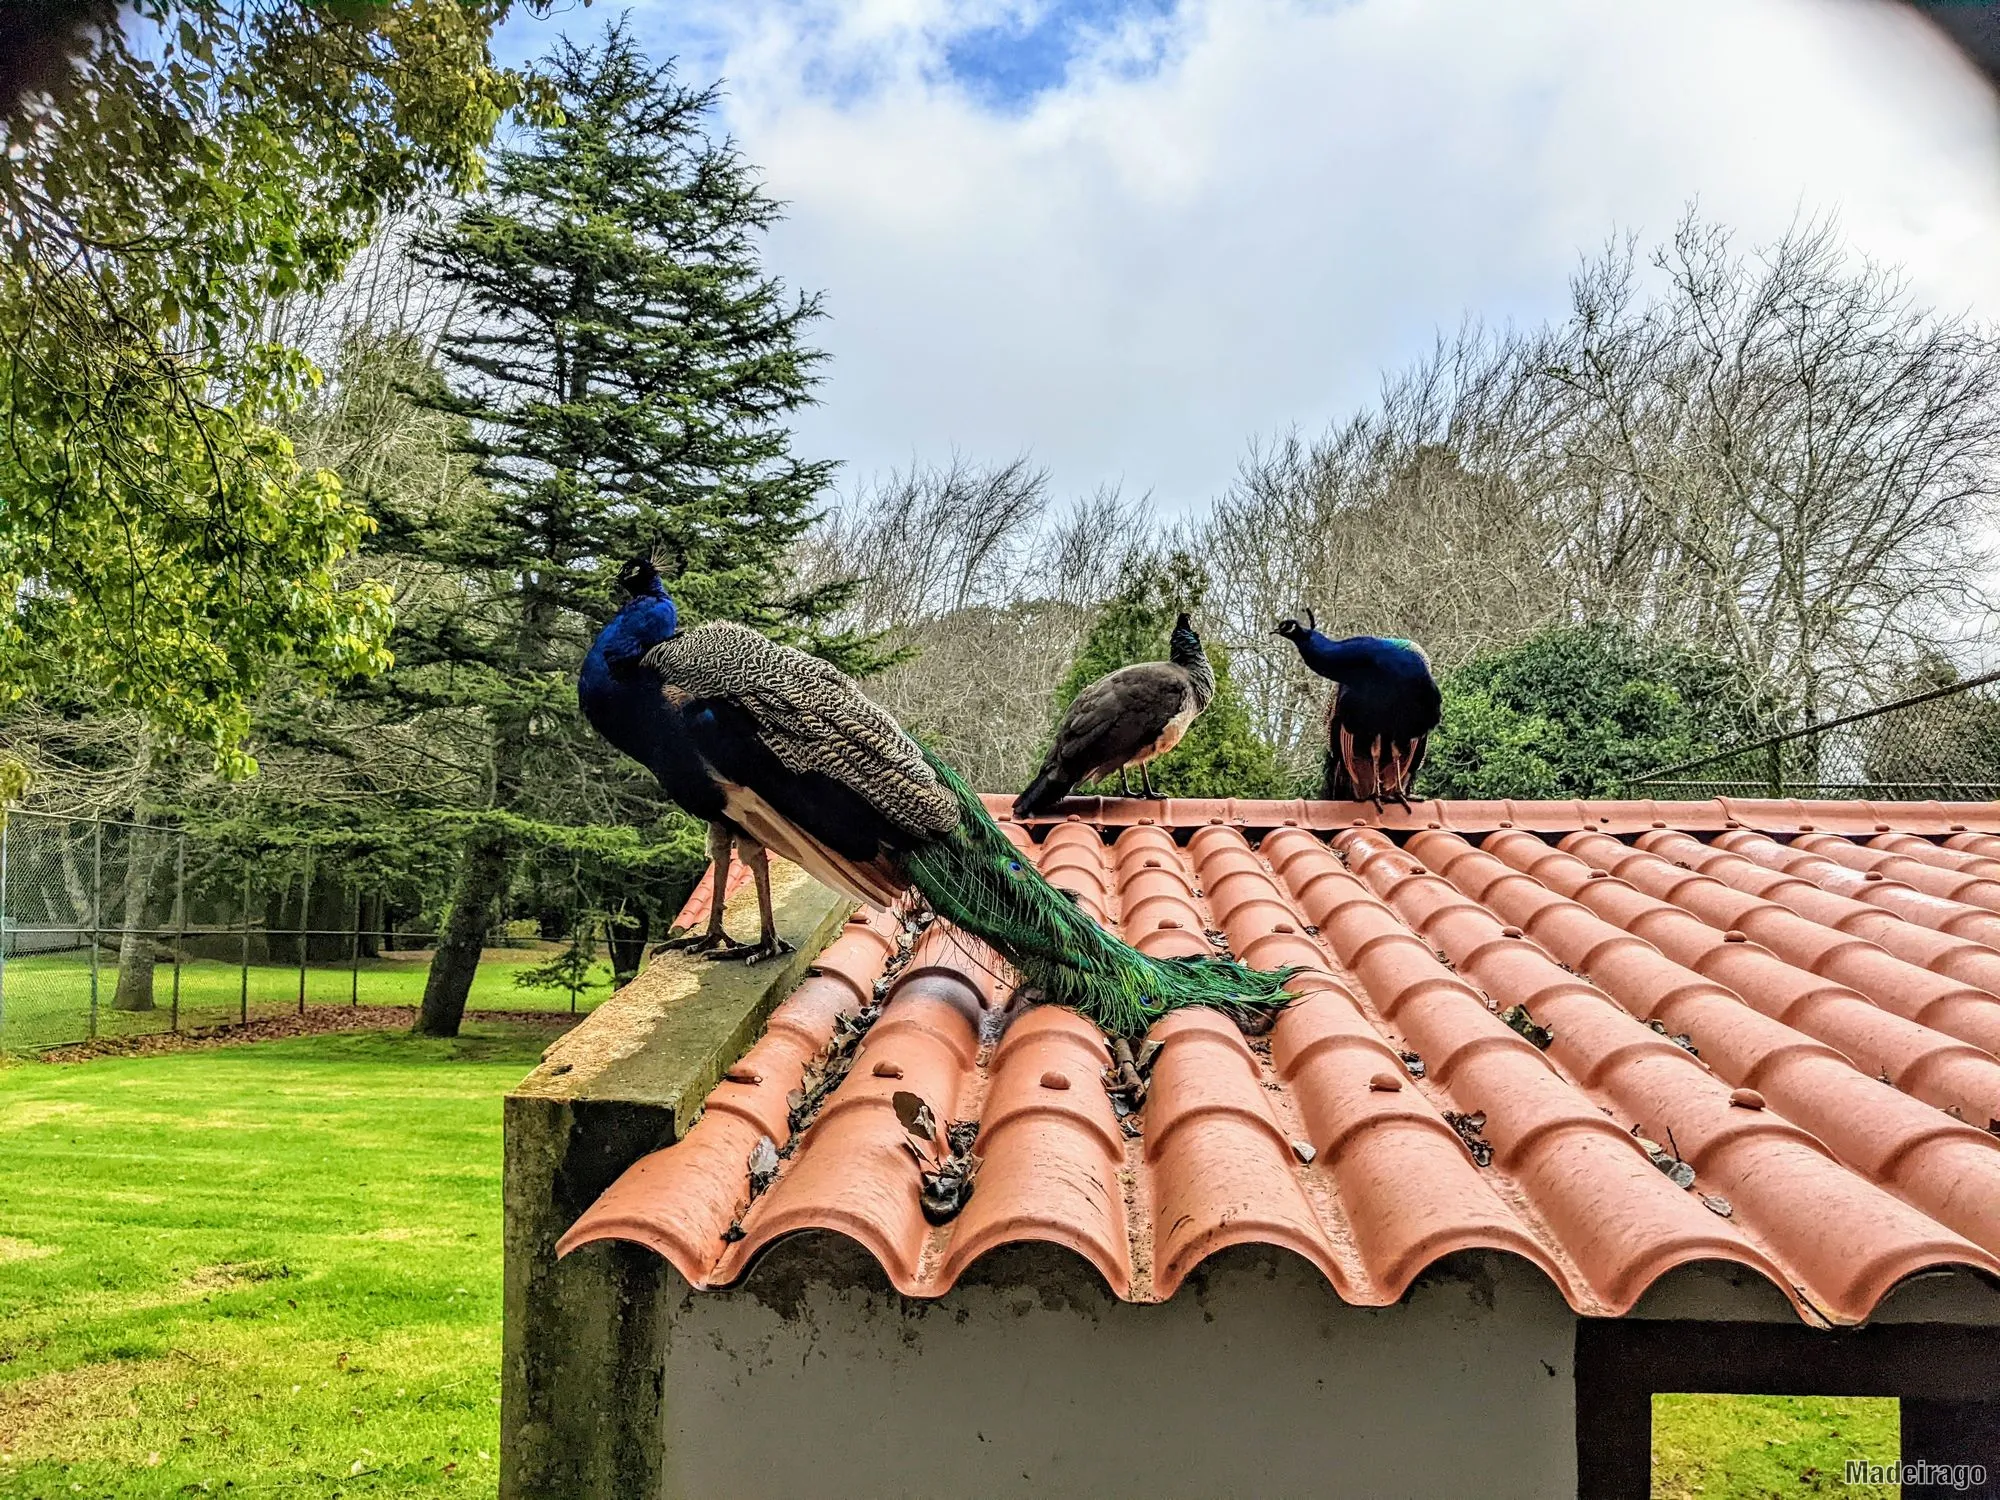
1013 866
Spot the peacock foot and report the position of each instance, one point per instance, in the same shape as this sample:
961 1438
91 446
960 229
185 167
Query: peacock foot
751 953
771 947
715 943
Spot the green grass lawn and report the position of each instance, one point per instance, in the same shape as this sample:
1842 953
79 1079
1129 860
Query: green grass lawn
47 997
1751 1447
261 1270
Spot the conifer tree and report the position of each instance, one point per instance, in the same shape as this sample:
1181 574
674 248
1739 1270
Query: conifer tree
624 369
1221 755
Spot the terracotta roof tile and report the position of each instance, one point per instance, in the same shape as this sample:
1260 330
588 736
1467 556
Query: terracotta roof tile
1515 1031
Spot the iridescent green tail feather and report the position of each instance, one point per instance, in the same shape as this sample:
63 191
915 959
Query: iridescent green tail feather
976 879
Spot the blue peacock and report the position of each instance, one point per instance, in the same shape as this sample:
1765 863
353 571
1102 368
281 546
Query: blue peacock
778 750
1385 705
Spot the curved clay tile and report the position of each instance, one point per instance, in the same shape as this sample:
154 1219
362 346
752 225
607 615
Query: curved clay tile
1589 1183
1959 865
1925 1064
1841 1237
1966 1012
1808 858
1392 1117
1970 962
680 1200
1051 1152
851 1171
1943 1166
1985 845
1223 1172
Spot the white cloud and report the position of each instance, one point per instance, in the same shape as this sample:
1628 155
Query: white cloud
1232 218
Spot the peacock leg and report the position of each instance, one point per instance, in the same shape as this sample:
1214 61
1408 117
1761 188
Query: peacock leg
1146 782
1398 776
713 939
1375 765
1351 763
769 944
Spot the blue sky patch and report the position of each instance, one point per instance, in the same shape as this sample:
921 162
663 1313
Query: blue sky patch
1029 53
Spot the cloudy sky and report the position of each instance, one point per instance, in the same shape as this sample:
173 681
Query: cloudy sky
1129 236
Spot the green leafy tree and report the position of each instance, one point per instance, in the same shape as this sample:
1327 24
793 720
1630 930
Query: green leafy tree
167 175
624 370
1221 755
572 970
1576 711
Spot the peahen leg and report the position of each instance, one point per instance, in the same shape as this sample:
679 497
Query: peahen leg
769 944
1146 782
1124 786
713 939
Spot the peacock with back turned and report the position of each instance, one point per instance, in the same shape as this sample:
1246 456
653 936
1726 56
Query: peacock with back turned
780 750
1385 704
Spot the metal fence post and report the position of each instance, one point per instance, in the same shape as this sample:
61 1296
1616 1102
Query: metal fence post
96 909
243 995
354 959
305 910
180 915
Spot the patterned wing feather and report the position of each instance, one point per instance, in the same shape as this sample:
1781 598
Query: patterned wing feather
812 717
1118 716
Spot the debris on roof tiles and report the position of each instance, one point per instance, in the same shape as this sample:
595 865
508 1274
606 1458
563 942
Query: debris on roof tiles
1676 1171
1125 1079
1469 1128
1717 1045
1517 1017
763 1164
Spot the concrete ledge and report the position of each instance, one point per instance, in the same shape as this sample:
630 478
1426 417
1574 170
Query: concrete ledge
628 1081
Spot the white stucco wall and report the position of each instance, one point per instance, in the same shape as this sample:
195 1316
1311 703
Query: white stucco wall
1254 1381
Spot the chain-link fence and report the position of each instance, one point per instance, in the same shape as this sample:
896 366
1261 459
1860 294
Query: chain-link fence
1942 744
112 929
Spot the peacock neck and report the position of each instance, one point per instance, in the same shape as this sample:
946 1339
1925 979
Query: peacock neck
1362 657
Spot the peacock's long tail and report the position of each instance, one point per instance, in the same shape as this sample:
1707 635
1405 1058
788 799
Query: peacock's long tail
976 879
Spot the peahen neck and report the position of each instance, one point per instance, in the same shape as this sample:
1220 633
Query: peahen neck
1184 650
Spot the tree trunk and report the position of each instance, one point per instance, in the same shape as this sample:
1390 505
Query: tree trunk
370 919
283 916
136 946
329 914
625 934
135 972
482 878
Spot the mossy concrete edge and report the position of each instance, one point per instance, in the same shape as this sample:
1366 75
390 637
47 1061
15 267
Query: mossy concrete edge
581 1374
